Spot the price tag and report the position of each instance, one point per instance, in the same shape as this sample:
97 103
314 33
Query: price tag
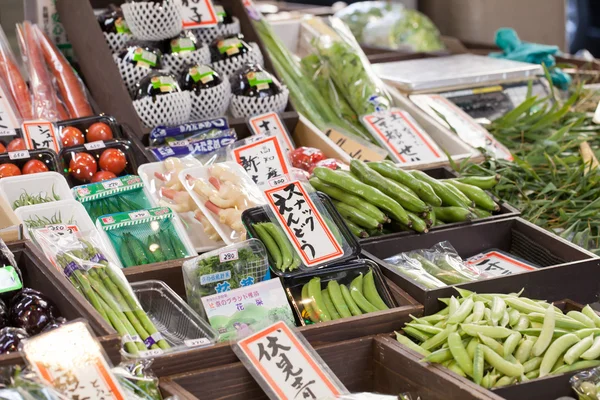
271 124
231 255
402 137
40 135
19 154
70 359
58 231
8 119
112 183
9 279
303 224
452 117
275 354
98 144
139 214
263 160
499 263
198 13
356 148
196 342
150 353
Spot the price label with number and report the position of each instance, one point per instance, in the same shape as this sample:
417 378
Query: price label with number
98 144
139 214
59 231
112 183
8 119
498 263
196 342
40 135
303 224
198 14
230 255
150 353
263 160
400 134
19 154
271 124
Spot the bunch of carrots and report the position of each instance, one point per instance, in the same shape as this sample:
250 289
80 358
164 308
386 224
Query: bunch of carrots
60 98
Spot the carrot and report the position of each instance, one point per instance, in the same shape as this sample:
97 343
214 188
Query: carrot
14 80
69 85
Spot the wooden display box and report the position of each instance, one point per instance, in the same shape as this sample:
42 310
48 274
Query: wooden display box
514 235
324 332
369 364
38 274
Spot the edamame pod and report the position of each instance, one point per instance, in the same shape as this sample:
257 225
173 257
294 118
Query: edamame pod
482 182
335 293
558 347
460 353
354 309
422 189
478 364
543 341
511 343
356 216
411 345
502 365
575 352
453 214
476 195
270 244
370 291
314 292
307 303
329 304
356 291
449 198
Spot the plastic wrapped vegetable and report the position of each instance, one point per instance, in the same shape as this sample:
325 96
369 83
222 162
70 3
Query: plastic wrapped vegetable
587 384
137 380
10 74
24 384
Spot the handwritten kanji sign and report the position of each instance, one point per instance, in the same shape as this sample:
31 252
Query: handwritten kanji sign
285 366
70 359
496 263
40 135
402 136
303 224
198 13
356 148
263 160
271 124
449 115
8 119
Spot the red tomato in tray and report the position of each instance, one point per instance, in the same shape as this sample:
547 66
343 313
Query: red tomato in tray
99 131
113 160
306 157
33 167
16 145
330 163
83 166
103 176
71 136
9 169
2 148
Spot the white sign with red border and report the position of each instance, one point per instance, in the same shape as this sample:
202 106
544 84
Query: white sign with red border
405 140
263 160
271 124
286 366
40 134
198 14
498 263
303 224
8 119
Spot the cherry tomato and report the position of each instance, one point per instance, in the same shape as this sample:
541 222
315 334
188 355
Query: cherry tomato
16 145
305 157
103 176
2 148
83 166
330 163
71 136
113 160
9 170
99 131
34 166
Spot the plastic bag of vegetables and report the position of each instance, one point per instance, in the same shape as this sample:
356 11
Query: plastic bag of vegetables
392 26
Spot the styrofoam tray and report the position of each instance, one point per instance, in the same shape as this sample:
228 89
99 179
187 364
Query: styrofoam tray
193 227
71 213
44 183
201 172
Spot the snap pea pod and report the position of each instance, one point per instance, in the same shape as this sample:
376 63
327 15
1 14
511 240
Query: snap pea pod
439 356
329 304
523 352
460 353
356 291
354 309
502 365
438 339
285 247
545 337
307 303
578 349
582 318
370 292
492 344
558 347
478 364
335 293
511 343
471 346
319 306
411 345
594 351
585 364
415 333
422 189
591 314
560 321
270 244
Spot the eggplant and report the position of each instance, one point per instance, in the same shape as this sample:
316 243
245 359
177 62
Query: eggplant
55 324
10 338
223 48
112 21
32 311
199 77
253 81
142 54
184 43
156 84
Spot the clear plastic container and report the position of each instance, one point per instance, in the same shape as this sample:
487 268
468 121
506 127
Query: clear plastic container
230 267
98 127
44 187
223 207
21 157
63 212
161 179
176 321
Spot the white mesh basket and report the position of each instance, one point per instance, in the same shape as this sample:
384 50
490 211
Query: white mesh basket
207 35
176 63
165 109
153 21
242 106
116 41
229 66
212 102
130 73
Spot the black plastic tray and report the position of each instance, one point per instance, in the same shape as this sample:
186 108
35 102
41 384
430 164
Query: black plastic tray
259 214
84 123
344 274
47 156
125 146
515 236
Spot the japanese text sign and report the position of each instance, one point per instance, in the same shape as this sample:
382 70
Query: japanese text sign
8 120
71 360
400 134
496 263
263 160
40 135
356 148
303 224
198 14
271 124
283 364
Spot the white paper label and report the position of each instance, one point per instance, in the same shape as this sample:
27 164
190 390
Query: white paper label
196 342
19 154
226 256
465 127
495 263
286 366
198 14
58 231
271 124
303 224
8 119
263 160
40 135
112 183
403 137
139 214
150 353
98 144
